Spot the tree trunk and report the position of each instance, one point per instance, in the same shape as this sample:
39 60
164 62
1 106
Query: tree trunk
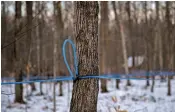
42 50
130 35
29 5
17 59
38 34
103 45
155 44
168 57
3 37
4 22
147 45
117 28
59 29
128 10
85 91
61 88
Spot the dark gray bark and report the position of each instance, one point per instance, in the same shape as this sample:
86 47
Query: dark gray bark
85 91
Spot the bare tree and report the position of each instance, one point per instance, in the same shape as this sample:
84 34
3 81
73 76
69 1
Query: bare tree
17 59
29 5
147 42
117 28
155 44
103 44
85 91
4 33
168 48
59 29
39 36
132 40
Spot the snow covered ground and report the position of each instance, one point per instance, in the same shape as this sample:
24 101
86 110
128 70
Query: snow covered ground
131 99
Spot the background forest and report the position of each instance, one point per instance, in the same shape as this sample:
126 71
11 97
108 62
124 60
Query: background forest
134 37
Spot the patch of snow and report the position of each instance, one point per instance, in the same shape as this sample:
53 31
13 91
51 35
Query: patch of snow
136 98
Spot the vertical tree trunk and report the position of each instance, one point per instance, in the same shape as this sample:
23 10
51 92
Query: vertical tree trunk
128 10
17 59
85 91
130 35
3 36
155 44
4 22
124 53
55 66
29 5
39 33
154 59
59 30
147 44
41 38
117 28
103 45
160 40
168 48
123 39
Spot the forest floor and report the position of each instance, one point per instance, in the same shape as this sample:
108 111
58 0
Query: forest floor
131 99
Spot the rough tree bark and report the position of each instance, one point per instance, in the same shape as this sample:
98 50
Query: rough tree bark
17 58
103 35
85 91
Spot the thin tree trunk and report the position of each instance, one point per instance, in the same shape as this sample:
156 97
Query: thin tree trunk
60 28
4 22
156 40
85 91
38 5
128 10
124 53
17 58
118 27
103 34
61 89
154 60
132 40
3 36
168 21
147 45
55 66
29 5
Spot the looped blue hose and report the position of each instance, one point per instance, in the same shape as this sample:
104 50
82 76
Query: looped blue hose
103 76
75 58
116 76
